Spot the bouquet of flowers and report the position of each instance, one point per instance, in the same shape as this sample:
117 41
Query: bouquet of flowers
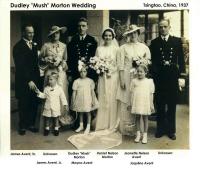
52 61
100 65
137 60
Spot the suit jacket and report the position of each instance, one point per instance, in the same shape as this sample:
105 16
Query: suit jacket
26 67
55 99
81 50
167 63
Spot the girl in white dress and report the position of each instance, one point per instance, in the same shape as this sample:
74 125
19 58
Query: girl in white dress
84 99
142 90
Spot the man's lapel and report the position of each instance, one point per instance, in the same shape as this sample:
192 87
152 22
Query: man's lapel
86 38
25 45
170 40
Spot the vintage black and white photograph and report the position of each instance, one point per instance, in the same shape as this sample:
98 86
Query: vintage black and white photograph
99 79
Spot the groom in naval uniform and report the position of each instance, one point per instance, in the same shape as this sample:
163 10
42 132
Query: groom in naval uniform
167 66
81 47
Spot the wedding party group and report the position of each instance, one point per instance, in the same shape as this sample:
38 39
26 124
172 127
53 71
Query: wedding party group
102 88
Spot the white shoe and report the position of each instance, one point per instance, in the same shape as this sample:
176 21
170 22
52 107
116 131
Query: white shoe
144 139
79 129
138 136
87 130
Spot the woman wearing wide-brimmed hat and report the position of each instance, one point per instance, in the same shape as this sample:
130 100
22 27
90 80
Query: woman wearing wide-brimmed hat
53 57
131 49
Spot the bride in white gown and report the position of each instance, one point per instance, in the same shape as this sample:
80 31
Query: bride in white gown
107 117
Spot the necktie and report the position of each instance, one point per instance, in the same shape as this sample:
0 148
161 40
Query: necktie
30 45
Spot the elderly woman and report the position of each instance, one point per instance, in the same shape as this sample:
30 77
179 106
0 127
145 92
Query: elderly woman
53 58
128 52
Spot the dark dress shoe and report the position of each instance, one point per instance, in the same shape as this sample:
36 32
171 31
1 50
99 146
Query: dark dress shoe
172 136
33 129
159 135
56 132
46 132
22 132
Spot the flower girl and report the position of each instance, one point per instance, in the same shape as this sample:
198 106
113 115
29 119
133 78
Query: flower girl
142 90
83 98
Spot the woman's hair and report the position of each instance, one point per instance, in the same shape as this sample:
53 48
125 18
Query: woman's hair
53 75
109 30
144 67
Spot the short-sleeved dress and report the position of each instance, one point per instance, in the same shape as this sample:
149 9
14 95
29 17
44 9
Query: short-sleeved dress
83 99
141 91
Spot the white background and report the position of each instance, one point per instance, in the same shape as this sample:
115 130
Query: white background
181 159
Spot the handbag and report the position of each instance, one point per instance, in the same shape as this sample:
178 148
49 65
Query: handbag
67 119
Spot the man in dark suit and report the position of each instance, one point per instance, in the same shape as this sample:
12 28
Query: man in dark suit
81 47
167 66
25 56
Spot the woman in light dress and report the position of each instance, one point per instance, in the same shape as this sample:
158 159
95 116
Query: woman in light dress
133 48
54 54
107 115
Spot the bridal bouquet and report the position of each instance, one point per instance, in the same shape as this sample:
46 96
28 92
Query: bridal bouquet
100 65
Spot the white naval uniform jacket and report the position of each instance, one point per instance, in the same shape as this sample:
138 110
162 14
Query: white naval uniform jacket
55 99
